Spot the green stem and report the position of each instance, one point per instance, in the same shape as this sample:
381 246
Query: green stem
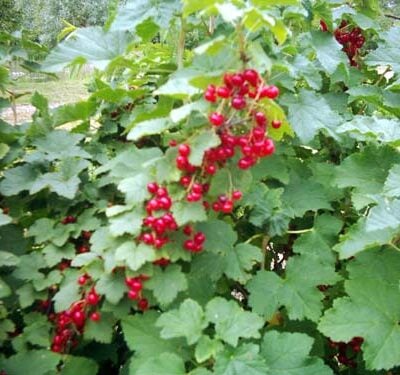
300 231
181 44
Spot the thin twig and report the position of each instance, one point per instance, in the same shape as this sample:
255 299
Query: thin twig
392 16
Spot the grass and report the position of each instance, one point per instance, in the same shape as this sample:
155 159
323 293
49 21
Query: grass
60 91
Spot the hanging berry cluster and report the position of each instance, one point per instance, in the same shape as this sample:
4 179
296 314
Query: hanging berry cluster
135 285
70 323
345 353
350 37
242 128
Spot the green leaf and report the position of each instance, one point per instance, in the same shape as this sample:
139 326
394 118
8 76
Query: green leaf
135 256
74 365
101 331
165 363
329 51
143 336
201 143
181 113
207 348
178 86
358 239
228 179
388 53
135 188
4 219
384 216
5 290
65 183
302 195
128 222
188 322
231 322
371 309
3 150
61 144
241 260
8 259
392 183
218 241
18 179
309 113
242 360
297 291
364 128
67 295
112 287
134 13
41 362
166 284
149 127
288 353
186 212
366 172
88 45
73 112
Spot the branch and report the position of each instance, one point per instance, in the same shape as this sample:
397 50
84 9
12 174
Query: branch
392 16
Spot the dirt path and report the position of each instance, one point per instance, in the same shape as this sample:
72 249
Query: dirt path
24 113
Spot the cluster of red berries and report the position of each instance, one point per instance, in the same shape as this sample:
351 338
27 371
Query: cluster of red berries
82 243
196 241
160 220
71 323
135 285
240 125
351 38
346 352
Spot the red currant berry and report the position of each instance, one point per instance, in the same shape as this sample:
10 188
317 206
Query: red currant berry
182 162
197 188
95 316
199 238
162 192
133 294
136 285
184 150
82 280
211 169
78 318
238 102
236 195
223 92
148 239
210 96
93 299
152 187
217 119
237 79
187 230
260 118
276 124
185 181
270 92
251 76
227 207
143 304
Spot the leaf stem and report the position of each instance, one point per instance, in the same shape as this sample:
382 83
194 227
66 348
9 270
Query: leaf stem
300 231
181 44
